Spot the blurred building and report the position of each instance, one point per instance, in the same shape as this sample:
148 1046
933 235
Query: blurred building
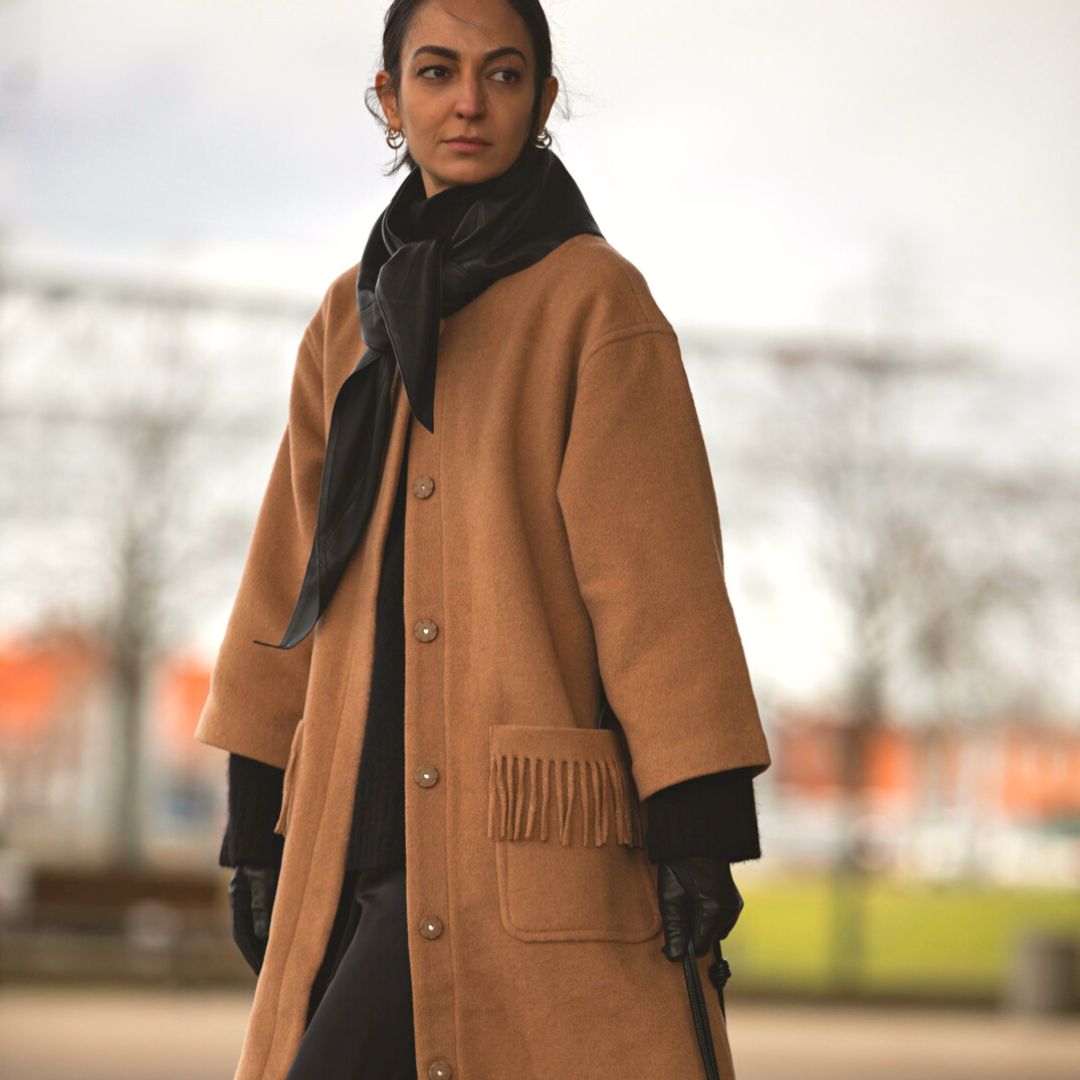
998 801
59 754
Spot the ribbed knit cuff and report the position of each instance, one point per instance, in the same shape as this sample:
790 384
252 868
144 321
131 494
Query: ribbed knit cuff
254 802
713 814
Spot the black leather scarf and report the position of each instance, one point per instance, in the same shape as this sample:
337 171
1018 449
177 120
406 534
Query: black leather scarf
425 258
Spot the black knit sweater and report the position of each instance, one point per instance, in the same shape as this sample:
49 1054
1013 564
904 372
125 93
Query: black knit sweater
707 815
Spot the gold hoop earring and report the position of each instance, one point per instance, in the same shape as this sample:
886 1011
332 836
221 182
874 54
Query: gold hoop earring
543 139
393 143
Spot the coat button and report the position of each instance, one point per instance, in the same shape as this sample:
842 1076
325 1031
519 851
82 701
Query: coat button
426 630
426 776
423 486
440 1070
431 927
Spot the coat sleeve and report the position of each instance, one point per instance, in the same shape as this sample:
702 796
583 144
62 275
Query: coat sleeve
637 497
257 692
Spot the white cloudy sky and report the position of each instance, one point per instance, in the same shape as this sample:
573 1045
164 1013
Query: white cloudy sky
759 161
763 163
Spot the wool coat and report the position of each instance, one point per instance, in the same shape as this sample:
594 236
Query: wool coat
561 529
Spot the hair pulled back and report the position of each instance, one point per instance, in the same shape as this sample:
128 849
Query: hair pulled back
396 25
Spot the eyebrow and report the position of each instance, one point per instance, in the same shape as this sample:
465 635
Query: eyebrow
453 54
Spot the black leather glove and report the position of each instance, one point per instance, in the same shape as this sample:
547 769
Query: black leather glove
698 901
251 901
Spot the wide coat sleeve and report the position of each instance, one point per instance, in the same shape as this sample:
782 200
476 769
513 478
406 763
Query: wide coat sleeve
638 501
257 692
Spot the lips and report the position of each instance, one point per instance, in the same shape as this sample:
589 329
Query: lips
469 142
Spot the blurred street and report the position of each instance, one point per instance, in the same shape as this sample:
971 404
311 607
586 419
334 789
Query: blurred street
158 1035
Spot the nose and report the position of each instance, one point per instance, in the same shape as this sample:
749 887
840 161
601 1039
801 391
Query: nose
470 100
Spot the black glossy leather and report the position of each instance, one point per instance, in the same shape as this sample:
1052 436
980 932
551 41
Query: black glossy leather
698 900
251 902
425 258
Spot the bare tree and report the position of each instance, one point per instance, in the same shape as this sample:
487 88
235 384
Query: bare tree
924 542
129 412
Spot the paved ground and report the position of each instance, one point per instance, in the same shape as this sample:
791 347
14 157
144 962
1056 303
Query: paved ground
772 1043
156 1035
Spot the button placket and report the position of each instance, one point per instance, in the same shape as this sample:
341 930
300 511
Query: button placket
425 737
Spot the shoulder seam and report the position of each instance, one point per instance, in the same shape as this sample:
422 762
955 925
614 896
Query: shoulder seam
622 334
308 341
315 353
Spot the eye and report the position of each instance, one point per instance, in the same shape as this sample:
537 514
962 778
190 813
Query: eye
515 76
432 67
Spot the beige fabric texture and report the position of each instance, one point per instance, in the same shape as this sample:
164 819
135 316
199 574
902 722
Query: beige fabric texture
572 534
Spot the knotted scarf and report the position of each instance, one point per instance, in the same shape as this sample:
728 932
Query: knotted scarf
424 259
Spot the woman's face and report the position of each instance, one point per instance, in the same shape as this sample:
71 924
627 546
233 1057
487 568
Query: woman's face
467 68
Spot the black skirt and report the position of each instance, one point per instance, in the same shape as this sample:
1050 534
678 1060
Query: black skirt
360 1019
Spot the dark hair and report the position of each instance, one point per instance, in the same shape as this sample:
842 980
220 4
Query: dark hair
395 26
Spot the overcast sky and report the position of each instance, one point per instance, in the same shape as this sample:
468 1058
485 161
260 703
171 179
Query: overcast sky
761 162
765 164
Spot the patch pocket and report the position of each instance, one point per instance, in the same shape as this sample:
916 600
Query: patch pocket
289 781
568 837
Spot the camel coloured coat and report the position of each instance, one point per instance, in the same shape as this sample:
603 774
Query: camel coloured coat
561 527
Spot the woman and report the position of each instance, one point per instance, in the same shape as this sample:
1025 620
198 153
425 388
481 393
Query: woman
509 661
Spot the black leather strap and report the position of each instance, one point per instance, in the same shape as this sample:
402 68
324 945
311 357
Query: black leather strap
719 973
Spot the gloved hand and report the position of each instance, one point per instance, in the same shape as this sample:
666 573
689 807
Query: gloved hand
698 901
251 900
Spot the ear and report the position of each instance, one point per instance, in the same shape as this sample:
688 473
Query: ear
387 97
548 92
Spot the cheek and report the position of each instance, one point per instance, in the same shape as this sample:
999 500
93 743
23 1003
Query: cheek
427 110
513 109
421 96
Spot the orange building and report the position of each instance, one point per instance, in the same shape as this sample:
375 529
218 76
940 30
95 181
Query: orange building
1011 768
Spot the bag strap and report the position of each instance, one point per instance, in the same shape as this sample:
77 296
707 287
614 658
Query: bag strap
719 973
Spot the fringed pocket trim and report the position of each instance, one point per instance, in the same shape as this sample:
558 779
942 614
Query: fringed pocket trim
526 788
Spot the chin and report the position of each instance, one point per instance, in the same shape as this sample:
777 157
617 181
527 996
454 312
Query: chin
472 170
